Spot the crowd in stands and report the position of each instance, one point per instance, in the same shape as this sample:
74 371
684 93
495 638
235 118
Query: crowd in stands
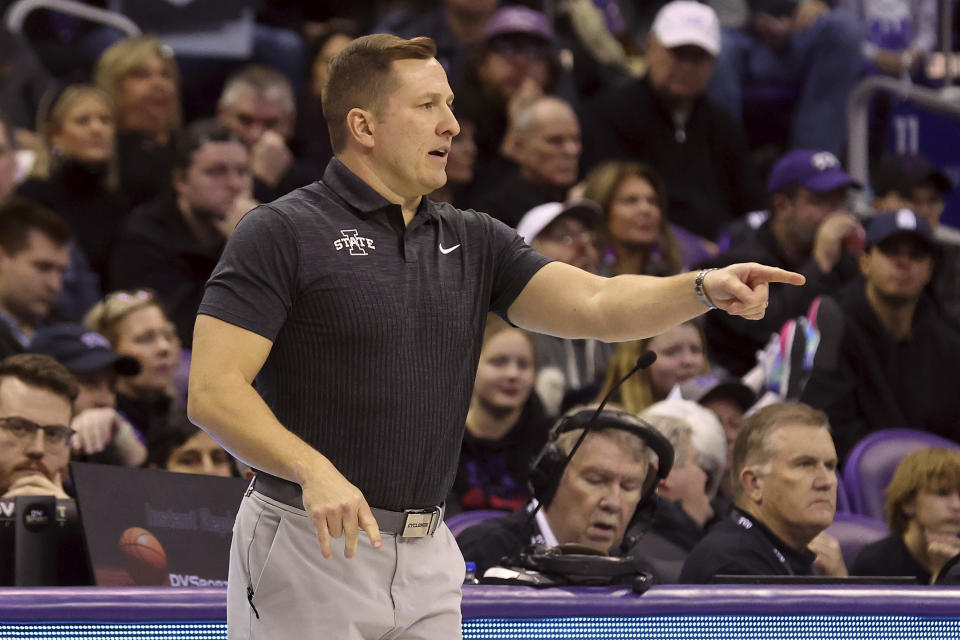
619 137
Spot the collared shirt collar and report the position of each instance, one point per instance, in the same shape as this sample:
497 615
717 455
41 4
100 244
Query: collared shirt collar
361 196
15 330
548 538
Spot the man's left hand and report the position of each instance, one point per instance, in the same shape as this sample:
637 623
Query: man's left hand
743 289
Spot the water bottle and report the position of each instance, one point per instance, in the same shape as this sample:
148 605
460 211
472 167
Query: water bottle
471 576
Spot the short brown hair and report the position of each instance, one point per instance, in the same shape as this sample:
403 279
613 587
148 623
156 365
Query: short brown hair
923 470
753 436
361 76
19 216
38 370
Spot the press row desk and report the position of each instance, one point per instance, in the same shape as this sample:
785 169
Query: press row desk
723 611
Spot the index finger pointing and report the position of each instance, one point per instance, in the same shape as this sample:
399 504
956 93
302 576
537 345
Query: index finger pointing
369 524
775 274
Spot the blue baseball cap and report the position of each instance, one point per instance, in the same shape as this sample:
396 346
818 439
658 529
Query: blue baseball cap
81 350
902 221
519 20
813 170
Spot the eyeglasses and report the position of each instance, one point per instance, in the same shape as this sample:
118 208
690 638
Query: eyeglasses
24 430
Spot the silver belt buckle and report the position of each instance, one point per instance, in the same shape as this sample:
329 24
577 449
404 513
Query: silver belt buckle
419 523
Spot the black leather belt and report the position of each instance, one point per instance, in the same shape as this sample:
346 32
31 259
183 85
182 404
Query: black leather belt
409 523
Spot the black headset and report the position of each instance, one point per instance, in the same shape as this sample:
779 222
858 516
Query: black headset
548 467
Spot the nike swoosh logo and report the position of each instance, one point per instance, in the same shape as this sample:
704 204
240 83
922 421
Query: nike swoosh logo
446 251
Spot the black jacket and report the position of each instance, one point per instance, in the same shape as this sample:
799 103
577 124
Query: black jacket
881 383
733 341
704 163
888 557
156 249
743 546
492 474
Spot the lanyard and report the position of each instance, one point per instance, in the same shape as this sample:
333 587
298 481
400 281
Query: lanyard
744 521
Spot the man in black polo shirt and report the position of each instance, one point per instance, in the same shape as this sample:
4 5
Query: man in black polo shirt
786 497
356 307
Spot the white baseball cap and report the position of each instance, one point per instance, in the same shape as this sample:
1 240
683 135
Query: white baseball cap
540 217
684 22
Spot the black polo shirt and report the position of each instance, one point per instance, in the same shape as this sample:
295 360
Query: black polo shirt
741 545
376 328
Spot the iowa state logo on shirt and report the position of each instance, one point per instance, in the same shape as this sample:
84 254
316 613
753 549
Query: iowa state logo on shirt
351 240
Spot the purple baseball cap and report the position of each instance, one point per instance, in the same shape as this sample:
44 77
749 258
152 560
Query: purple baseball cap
814 170
519 20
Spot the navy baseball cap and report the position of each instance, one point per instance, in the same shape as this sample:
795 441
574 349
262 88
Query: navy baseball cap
81 350
712 386
902 221
813 170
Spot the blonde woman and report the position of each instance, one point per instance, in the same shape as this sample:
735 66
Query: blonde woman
140 75
137 325
75 173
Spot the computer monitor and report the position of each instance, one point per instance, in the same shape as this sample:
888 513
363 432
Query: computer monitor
151 527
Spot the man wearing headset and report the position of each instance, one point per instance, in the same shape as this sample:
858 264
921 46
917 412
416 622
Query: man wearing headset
595 501
785 496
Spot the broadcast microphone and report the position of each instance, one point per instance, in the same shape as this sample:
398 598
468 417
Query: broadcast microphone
646 359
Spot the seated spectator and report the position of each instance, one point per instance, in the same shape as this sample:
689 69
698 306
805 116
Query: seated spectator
897 358
102 435
137 325
544 139
923 513
911 181
806 50
638 236
565 232
258 104
506 424
683 506
698 149
172 244
36 403
34 255
311 129
515 63
680 356
729 399
811 231
595 500
454 25
182 447
460 161
706 431
8 158
75 172
786 496
140 75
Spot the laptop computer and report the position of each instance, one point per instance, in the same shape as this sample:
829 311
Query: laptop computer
150 527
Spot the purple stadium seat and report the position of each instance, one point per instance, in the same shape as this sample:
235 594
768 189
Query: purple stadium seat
854 532
843 498
873 460
467 519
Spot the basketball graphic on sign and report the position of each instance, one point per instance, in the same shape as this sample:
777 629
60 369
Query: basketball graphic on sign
144 557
